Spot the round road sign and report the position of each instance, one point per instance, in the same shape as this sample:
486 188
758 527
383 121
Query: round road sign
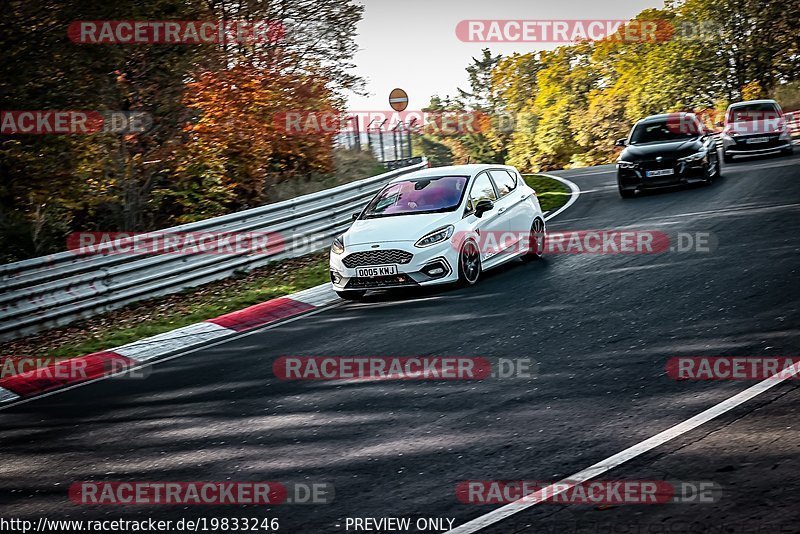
398 99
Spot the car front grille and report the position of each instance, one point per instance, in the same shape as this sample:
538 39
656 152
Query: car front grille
655 165
652 164
376 257
742 144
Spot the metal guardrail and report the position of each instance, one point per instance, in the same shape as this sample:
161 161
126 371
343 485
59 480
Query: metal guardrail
54 290
399 163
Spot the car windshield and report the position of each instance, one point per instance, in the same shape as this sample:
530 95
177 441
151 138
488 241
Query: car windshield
666 130
753 112
419 195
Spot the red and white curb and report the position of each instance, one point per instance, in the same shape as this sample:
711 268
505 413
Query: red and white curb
100 364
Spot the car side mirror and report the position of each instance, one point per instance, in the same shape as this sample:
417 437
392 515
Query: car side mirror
355 216
621 142
482 207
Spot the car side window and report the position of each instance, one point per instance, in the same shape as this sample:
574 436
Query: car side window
482 189
504 181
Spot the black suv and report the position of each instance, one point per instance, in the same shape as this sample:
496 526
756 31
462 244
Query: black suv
666 150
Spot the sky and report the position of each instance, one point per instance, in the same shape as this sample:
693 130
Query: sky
412 44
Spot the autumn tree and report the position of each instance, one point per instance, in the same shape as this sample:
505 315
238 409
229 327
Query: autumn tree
174 171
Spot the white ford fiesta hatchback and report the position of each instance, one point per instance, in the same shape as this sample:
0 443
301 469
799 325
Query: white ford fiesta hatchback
439 225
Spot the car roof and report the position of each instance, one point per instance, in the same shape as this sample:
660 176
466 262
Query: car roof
748 102
663 116
452 170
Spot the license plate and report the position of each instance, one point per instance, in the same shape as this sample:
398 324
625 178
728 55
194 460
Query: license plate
660 172
754 140
376 270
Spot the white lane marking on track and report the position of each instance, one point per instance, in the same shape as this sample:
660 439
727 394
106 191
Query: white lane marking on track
736 209
774 165
575 192
7 396
621 457
609 171
598 189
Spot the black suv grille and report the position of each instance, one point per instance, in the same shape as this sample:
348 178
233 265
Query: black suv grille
652 164
376 257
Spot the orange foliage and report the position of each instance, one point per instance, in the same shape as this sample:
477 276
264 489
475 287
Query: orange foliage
237 131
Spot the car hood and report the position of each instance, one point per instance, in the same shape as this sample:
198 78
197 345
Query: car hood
670 149
396 228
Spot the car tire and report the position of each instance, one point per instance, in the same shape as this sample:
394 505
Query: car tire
788 151
351 295
626 193
726 158
538 241
469 264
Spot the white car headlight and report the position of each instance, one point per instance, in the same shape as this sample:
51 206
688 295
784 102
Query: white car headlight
337 247
437 236
697 156
626 164
785 135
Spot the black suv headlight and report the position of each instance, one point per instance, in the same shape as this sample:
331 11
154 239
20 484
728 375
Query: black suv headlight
626 164
697 156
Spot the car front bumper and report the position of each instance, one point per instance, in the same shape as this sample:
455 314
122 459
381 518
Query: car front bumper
758 152
684 173
739 146
421 270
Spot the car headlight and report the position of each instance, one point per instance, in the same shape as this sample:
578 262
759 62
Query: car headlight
626 164
785 136
437 236
337 247
697 156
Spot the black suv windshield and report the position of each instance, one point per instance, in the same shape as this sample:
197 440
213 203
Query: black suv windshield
419 195
661 131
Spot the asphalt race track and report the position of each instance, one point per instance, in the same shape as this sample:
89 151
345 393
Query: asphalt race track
601 328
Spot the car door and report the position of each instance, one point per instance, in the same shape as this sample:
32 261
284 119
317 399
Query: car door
518 215
492 224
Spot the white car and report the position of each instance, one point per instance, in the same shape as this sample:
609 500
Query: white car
754 128
438 225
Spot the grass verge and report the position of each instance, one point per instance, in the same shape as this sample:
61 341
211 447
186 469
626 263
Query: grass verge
162 314
552 194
